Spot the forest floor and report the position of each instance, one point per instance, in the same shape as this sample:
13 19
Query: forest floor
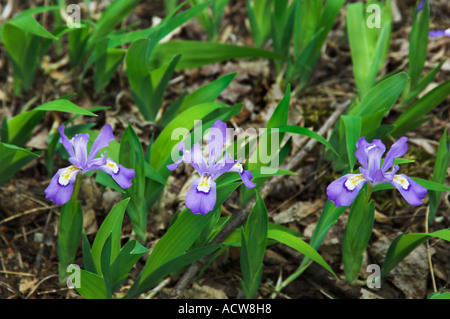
29 222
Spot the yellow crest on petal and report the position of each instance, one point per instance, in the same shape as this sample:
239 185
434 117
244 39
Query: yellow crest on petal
353 181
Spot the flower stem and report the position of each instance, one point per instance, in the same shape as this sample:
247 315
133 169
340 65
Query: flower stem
369 193
74 197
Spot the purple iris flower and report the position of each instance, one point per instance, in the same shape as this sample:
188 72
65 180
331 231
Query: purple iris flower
439 33
343 191
201 197
61 186
420 6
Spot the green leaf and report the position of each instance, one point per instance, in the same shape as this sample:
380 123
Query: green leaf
29 24
112 225
259 13
131 154
105 264
144 284
182 234
13 159
439 295
418 44
200 53
69 235
299 245
88 260
352 126
130 253
254 238
431 185
404 244
328 218
367 46
63 105
439 173
306 132
147 84
91 286
207 93
114 14
356 236
411 118
106 65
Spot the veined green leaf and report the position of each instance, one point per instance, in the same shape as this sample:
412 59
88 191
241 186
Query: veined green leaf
356 236
253 241
199 53
91 286
405 244
439 173
112 225
12 159
299 245
352 134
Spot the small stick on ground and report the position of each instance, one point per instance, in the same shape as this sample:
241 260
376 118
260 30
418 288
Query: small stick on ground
241 215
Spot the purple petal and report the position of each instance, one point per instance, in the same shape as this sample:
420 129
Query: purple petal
218 135
80 142
174 165
103 139
420 6
224 165
439 33
195 158
361 153
375 151
344 190
60 188
121 175
397 149
201 202
369 155
246 177
66 142
412 192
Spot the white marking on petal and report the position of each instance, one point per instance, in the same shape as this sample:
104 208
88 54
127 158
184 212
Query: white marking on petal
65 176
204 185
112 166
403 182
353 181
447 32
238 167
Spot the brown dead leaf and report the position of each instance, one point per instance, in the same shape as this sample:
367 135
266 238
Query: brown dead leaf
204 292
26 284
298 211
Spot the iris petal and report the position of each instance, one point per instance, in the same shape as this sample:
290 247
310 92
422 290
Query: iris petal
121 175
103 139
398 149
344 190
200 202
60 188
218 135
412 192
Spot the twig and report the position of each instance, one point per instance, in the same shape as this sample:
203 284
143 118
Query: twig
241 215
430 264
8 272
38 284
27 212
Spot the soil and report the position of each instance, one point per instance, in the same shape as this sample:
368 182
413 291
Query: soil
29 222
